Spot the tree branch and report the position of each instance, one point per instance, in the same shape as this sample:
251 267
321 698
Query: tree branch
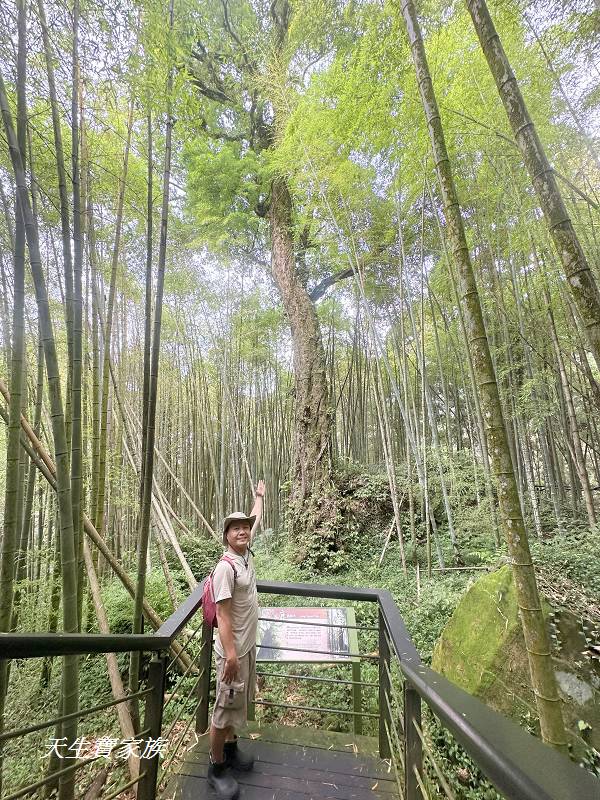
319 290
211 94
235 37
215 91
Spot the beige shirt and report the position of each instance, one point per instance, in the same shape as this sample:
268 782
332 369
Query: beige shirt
244 604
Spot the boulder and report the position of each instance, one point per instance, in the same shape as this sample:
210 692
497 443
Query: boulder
481 649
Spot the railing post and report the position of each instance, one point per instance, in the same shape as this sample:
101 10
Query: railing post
153 714
384 691
204 666
413 748
357 696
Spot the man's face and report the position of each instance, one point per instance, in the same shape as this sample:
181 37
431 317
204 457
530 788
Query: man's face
238 534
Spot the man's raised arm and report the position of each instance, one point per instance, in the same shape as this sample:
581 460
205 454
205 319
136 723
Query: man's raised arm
257 508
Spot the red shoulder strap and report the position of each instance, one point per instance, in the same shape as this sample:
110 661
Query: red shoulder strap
230 561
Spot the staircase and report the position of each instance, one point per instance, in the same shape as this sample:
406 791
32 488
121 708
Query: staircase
296 764
411 707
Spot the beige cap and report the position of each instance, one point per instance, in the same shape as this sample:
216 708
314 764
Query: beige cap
234 517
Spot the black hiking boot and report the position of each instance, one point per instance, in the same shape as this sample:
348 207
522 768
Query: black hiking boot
236 758
222 781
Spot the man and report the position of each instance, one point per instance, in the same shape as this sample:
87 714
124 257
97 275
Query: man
234 587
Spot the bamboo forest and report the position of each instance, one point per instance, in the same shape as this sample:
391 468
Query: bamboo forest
339 259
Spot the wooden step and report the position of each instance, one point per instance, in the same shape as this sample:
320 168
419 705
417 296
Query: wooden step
295 764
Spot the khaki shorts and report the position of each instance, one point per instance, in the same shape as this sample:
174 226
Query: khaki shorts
231 708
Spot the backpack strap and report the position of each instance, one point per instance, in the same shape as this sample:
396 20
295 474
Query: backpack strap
230 561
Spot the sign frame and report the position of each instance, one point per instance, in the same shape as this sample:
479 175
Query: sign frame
352 659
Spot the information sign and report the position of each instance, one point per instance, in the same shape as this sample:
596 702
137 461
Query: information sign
306 634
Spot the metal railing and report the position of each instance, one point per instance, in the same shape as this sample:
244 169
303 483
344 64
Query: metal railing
37 645
413 701
153 695
314 657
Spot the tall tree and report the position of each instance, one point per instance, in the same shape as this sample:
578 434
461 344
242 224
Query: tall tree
311 470
148 305
62 182
240 122
99 511
537 642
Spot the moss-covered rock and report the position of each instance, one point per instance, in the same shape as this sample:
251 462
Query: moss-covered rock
482 650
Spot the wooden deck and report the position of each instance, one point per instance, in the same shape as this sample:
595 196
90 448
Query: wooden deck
295 764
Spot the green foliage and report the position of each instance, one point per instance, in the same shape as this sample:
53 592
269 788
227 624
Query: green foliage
119 604
257 327
339 116
29 701
225 182
316 694
465 778
202 553
573 555
427 616
95 685
591 761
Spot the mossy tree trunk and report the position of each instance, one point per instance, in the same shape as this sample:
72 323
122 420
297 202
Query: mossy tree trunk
534 626
311 470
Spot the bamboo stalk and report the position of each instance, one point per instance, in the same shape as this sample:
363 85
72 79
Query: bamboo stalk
532 619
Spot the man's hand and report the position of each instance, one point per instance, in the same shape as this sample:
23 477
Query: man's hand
260 489
231 668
